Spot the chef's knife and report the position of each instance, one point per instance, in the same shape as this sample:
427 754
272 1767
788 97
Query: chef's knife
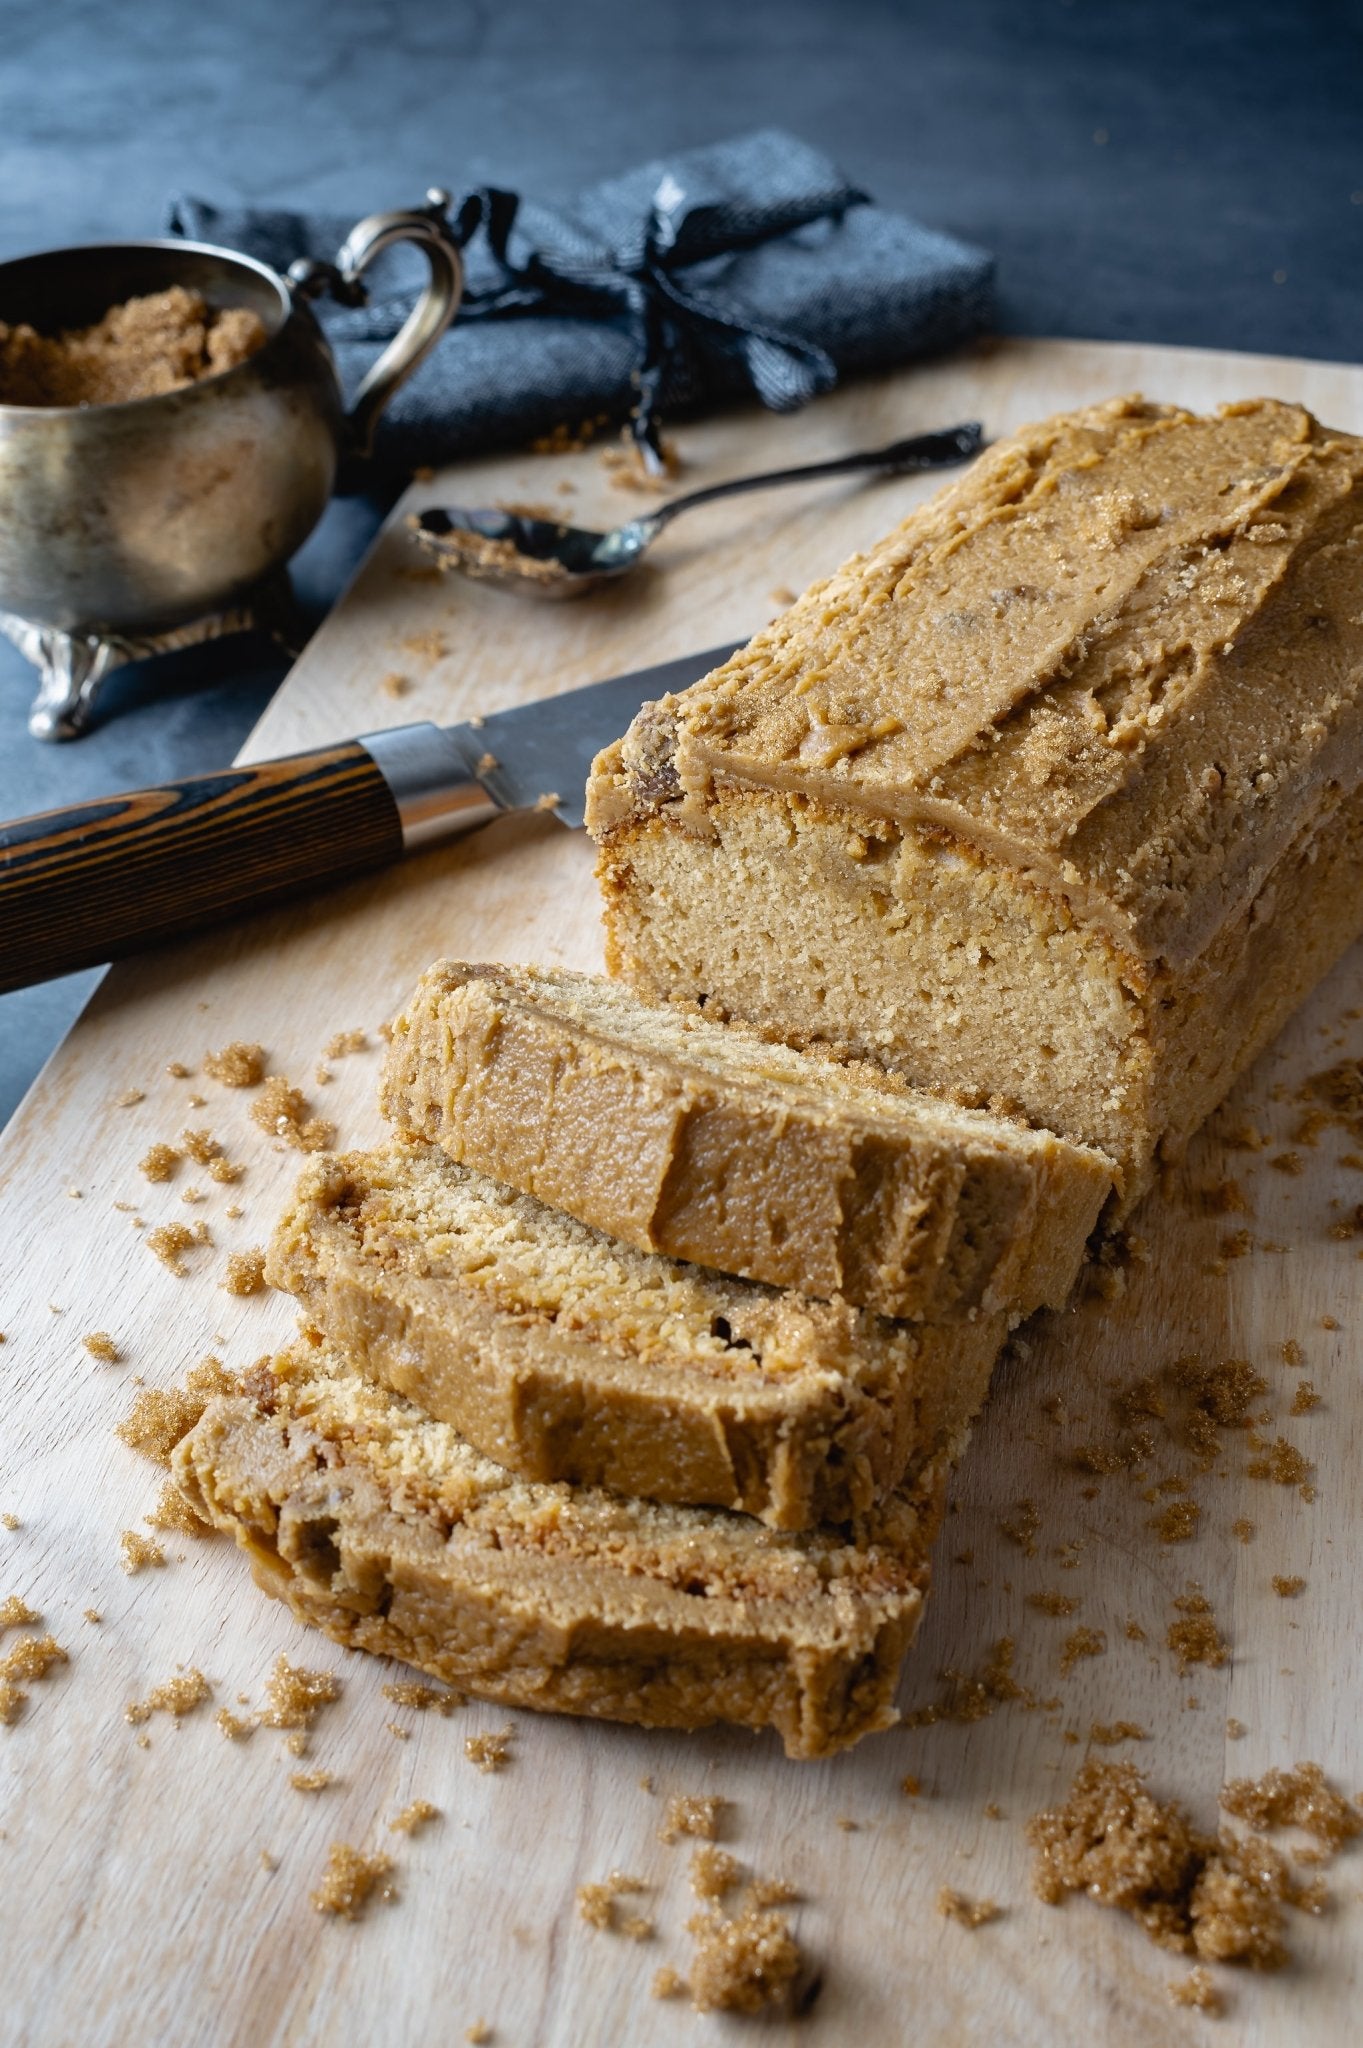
100 879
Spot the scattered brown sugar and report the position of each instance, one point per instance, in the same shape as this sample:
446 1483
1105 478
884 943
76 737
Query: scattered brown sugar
489 1752
749 1964
911 1786
1288 1585
598 1905
233 1726
177 1697
547 800
200 1146
101 1345
1290 1163
1242 1529
170 1241
667 1983
1178 1522
128 1098
172 1511
160 1162
973 1696
428 645
310 1781
771 1891
1107 1734
410 1692
1283 1464
1292 1353
395 685
140 348
245 1272
1235 1730
967 1912
485 764
1197 1990
158 1419
282 1110
1328 1323
1298 1798
1199 1894
1058 1604
351 1879
238 1065
343 1042
139 1551
625 466
192 1195
1305 1399
16 1613
29 1659
1082 1642
714 1872
398 1732
1194 1637
479 2032
698 1815
414 1817
296 1697
1021 1525
11 1521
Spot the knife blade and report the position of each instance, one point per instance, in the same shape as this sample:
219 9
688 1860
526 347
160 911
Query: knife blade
100 879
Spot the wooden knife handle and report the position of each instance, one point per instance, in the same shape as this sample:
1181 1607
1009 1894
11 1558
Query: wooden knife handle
96 880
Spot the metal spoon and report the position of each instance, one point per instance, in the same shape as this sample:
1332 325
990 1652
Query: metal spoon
548 559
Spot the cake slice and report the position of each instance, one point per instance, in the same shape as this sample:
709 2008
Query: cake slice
1053 799
391 1533
706 1142
566 1355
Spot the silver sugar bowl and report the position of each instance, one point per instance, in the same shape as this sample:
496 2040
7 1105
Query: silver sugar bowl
132 527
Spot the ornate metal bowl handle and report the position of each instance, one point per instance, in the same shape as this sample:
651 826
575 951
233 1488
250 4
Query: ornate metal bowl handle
428 226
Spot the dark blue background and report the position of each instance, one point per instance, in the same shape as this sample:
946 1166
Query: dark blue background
1155 171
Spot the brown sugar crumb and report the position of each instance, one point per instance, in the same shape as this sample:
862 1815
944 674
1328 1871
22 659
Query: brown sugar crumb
245 1272
1195 1637
1178 1522
225 1173
668 1984
160 1162
747 1964
16 1613
489 1752
1021 1525
238 1065
139 1551
343 1042
296 1697
31 1658
268 1863
282 1110
1300 1798
699 1816
157 1420
992 1810
128 1098
1292 1353
714 1872
1328 1323
1304 1400
1108 1733
192 1195
351 1879
177 1070
11 1521
1242 1529
233 1726
771 1891
1197 1990
967 1912
201 1146
1195 1893
310 1781
171 1240
1235 1730
911 1786
973 1696
414 1817
93 1614
598 1905
409 1692
478 2033
395 685
1283 1464
1082 1642
1290 1163
177 1697
101 1345
172 1511
1058 1604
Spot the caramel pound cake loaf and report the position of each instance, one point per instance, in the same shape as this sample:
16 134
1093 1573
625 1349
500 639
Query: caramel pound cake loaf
708 1143
392 1534
1051 800
565 1355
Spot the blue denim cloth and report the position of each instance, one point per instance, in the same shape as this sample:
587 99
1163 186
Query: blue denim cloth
748 267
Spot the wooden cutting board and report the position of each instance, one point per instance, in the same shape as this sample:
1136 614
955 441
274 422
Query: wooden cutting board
160 1891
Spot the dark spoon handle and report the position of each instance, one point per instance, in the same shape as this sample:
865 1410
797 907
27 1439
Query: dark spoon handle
937 450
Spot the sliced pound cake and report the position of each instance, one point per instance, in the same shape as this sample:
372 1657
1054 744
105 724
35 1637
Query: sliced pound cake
708 1143
566 1355
392 1534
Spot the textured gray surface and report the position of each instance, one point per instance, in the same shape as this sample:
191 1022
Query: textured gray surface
1152 171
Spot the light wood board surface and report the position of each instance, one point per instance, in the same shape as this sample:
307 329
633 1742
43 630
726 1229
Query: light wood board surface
134 1906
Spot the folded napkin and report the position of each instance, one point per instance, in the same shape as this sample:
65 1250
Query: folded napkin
748 267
